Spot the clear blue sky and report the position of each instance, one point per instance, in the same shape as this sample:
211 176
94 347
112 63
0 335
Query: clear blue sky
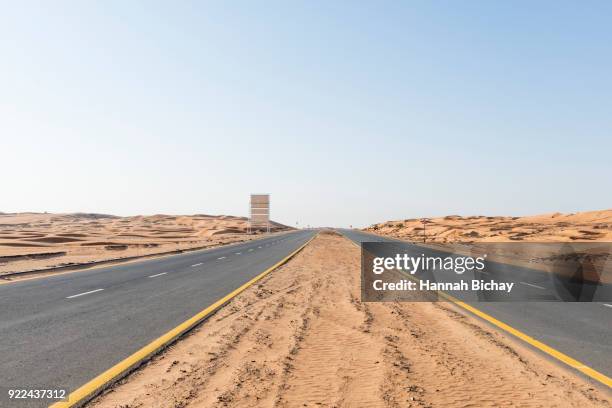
346 112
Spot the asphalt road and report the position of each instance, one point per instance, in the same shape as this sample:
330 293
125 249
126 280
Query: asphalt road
61 331
582 331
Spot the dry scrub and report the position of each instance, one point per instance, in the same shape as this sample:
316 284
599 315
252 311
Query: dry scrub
302 338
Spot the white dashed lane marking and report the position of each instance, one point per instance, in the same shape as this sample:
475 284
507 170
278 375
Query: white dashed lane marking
198 264
221 258
156 275
84 293
533 286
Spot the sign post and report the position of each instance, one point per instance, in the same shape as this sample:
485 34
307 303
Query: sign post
259 213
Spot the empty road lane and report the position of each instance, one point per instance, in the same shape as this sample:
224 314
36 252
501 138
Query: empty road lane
61 331
582 331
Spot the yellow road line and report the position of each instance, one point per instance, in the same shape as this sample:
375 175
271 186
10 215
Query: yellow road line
564 358
584 369
98 384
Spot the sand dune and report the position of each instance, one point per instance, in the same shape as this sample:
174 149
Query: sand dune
555 227
34 240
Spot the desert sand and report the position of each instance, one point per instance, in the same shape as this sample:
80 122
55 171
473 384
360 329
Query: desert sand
302 338
480 234
31 241
557 227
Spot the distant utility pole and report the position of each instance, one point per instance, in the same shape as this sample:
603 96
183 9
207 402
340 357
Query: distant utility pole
424 221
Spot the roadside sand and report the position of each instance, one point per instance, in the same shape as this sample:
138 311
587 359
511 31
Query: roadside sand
302 338
500 239
31 241
557 227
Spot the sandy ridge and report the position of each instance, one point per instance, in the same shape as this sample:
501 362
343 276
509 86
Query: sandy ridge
555 227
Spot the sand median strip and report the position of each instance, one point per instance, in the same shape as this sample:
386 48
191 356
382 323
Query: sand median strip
301 337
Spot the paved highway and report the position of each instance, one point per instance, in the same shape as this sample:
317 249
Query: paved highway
61 331
582 331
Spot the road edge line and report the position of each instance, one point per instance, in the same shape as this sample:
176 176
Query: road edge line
556 354
94 387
